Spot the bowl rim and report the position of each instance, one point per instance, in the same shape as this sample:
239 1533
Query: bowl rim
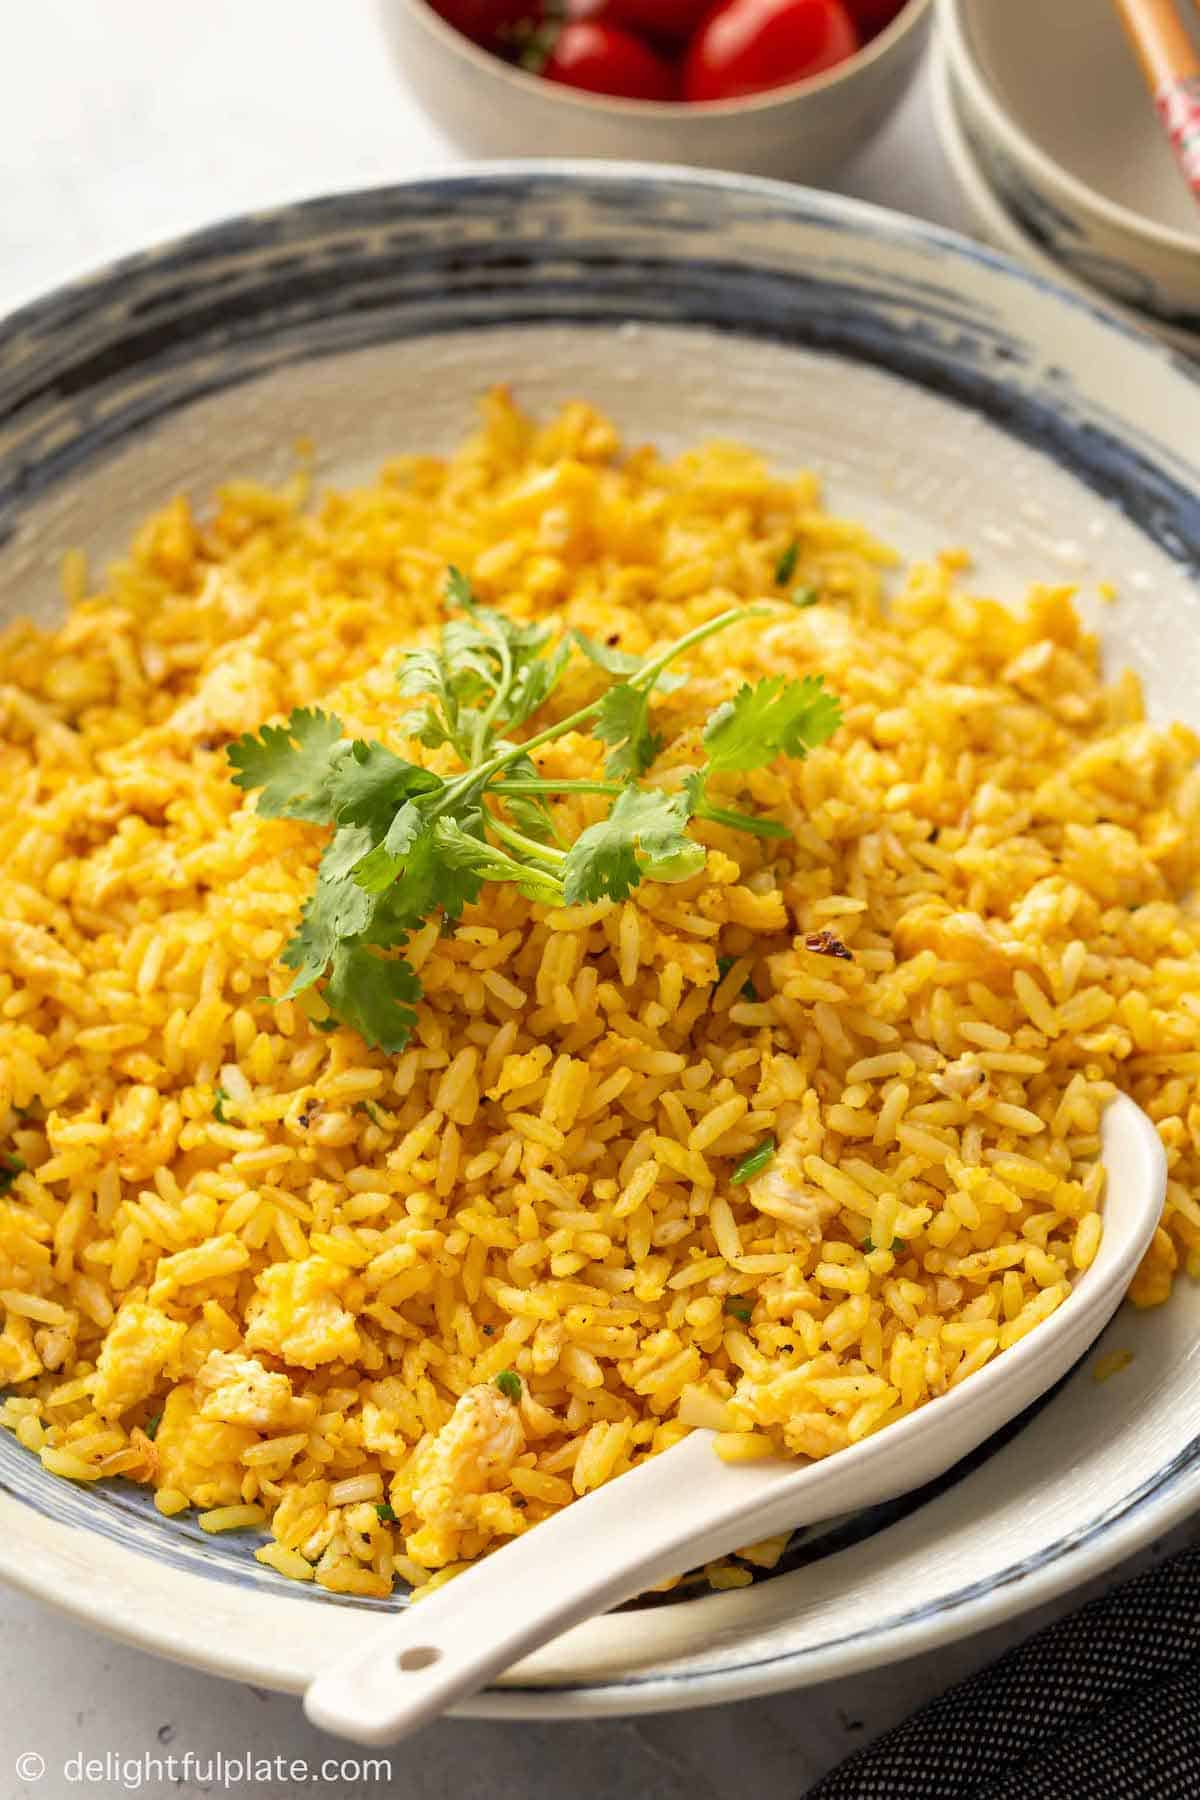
523 81
968 70
1006 234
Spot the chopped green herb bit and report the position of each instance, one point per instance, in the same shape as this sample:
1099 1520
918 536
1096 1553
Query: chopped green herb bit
384 1513
324 1024
151 1426
869 1244
804 597
220 1102
740 1309
11 1165
785 568
509 1383
724 964
407 845
753 1163
375 1113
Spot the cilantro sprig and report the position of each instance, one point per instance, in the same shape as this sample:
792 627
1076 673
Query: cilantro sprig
408 845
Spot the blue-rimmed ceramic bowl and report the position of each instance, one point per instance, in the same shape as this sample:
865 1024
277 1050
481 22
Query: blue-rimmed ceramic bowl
947 397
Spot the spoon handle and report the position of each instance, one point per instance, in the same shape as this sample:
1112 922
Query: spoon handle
670 1513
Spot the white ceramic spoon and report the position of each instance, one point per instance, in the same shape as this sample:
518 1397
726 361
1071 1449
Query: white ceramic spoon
686 1506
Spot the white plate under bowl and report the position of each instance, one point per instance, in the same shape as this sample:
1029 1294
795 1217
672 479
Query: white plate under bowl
1002 229
947 397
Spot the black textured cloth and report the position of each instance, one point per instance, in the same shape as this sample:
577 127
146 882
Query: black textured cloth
1103 1705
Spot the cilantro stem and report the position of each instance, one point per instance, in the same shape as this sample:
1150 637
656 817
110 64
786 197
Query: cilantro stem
740 821
522 786
516 840
483 772
734 616
644 679
484 719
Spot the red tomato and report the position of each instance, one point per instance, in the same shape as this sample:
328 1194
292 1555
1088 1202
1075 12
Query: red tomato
673 20
747 46
606 60
486 22
871 16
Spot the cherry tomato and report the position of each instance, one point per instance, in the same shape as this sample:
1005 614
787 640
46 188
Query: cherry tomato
672 20
486 22
606 60
747 46
871 16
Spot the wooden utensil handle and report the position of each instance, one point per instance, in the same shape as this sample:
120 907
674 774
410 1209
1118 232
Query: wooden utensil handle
1171 66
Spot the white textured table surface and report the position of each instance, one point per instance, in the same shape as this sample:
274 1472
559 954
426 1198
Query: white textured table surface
125 121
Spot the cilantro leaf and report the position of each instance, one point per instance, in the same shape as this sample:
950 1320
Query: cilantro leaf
489 675
623 720
533 816
773 718
345 850
368 783
374 995
336 909
291 764
529 811
619 662
460 850
643 836
695 785
509 1383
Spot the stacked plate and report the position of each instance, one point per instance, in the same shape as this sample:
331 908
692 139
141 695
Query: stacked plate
1058 151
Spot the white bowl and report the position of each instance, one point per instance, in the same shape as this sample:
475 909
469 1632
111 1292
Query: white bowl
943 394
1056 111
804 131
996 225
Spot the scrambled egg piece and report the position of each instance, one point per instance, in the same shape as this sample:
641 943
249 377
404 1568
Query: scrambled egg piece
197 1457
19 1360
297 1314
141 1342
473 1452
235 694
237 1390
784 1192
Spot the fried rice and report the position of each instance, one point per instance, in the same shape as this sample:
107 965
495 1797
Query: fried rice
274 1275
